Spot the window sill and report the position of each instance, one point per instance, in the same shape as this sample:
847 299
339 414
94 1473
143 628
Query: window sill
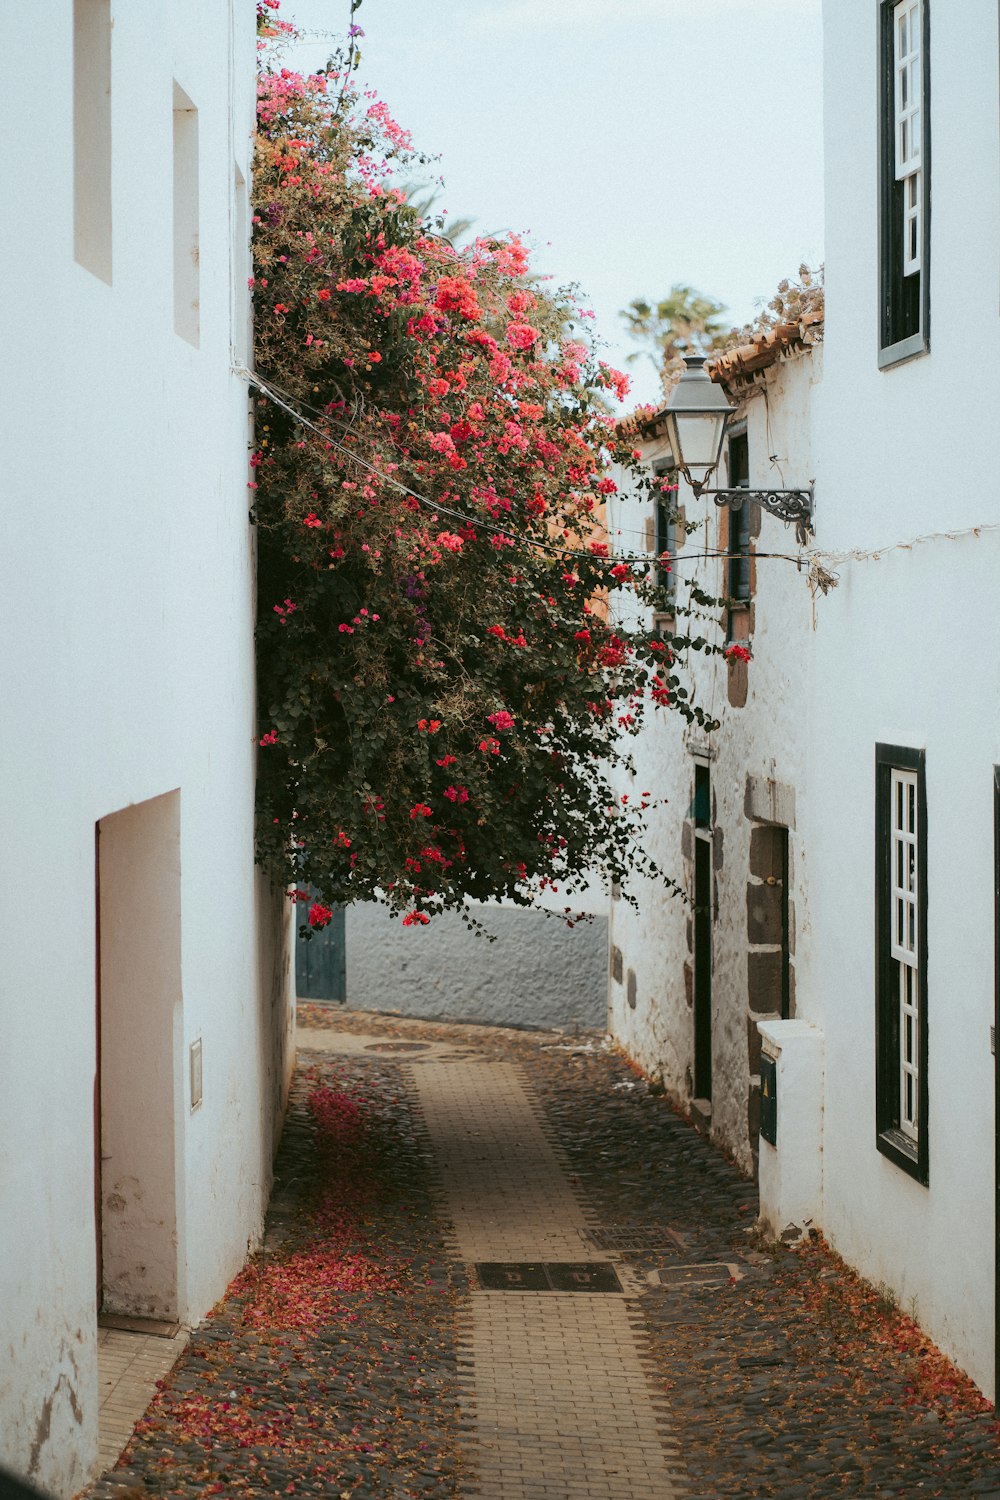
901 353
903 1153
739 626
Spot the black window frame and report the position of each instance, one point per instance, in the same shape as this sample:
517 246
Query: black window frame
738 581
900 305
665 528
912 1157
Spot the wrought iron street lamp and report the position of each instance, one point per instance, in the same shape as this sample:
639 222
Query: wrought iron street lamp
696 418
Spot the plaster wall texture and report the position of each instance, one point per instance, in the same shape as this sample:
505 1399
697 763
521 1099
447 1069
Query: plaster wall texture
538 972
791 1169
757 768
127 674
907 653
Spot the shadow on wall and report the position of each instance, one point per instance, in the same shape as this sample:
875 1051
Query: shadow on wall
539 972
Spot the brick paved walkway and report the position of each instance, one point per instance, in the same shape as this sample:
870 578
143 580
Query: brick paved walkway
129 1365
722 1370
556 1392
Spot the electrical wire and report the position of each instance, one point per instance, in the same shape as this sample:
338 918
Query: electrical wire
809 557
274 393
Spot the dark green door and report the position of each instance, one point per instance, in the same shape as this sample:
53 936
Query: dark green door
321 962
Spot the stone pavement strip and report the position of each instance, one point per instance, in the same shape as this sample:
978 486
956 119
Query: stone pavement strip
362 1354
557 1391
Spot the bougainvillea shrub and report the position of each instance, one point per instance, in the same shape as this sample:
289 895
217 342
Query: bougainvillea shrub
443 686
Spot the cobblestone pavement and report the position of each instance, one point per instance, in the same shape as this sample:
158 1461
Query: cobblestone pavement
360 1356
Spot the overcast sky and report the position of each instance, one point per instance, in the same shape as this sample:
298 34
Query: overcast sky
639 143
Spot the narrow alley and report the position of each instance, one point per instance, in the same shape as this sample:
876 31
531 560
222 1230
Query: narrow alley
498 1265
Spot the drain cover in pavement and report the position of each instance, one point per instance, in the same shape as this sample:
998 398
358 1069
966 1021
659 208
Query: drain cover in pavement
624 1237
712 1273
533 1276
398 1047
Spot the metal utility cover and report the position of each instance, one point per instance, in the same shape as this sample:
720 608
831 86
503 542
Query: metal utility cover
622 1238
535 1276
398 1047
712 1273
769 1099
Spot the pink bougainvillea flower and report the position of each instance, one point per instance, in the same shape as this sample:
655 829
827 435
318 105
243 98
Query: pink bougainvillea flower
454 294
457 466
619 383
413 918
521 301
320 916
500 367
522 336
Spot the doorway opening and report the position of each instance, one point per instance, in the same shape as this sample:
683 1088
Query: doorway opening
702 932
138 1088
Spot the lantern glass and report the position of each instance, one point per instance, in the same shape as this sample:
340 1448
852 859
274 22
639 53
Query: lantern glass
696 439
695 419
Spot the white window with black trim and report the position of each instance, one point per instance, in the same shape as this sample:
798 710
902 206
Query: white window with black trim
901 957
904 217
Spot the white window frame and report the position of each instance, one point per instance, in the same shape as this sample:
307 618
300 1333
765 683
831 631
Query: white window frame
904 165
901 1057
904 947
907 34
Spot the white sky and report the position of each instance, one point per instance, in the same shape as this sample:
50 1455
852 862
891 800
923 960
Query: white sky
638 142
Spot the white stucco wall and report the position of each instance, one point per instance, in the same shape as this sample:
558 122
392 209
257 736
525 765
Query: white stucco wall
126 674
907 653
537 972
763 740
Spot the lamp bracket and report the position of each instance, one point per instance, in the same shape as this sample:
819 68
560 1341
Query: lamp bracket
794 506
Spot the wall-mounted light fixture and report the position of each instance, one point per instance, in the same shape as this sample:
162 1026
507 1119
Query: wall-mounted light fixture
696 419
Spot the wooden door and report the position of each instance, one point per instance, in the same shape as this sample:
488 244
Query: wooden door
702 933
321 962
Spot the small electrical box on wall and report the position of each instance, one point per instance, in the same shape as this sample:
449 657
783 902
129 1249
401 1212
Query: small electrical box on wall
769 1099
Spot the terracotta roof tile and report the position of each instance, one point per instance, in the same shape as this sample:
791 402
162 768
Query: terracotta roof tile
735 368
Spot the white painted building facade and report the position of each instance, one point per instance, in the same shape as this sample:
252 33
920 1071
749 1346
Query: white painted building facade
144 973
877 704
906 658
690 978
